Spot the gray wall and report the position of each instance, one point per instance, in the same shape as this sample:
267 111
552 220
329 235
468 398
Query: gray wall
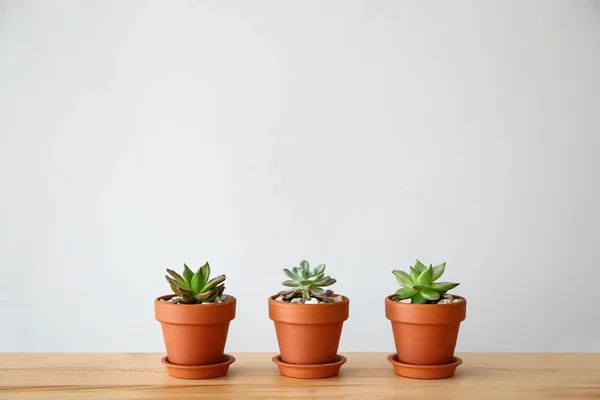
136 136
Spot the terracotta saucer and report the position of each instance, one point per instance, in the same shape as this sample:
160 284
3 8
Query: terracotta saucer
199 371
439 371
309 371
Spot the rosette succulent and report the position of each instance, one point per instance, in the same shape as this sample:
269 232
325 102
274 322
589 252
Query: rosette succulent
420 283
196 288
306 283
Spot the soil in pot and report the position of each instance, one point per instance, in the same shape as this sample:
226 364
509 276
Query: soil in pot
195 334
425 334
308 333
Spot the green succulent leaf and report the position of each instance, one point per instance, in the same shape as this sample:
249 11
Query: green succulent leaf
414 274
304 265
302 273
204 295
291 274
426 277
316 277
438 270
197 282
322 281
419 287
320 269
187 274
188 299
172 281
173 285
418 299
205 273
315 289
305 295
290 283
430 294
403 278
443 286
419 266
213 282
178 278
186 292
405 292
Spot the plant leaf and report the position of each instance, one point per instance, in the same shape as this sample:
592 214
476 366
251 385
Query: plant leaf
178 278
305 295
302 274
403 278
290 283
405 292
315 289
205 273
320 269
187 299
438 270
418 299
414 274
291 275
324 281
315 278
419 287
213 282
443 286
187 274
430 294
173 285
426 276
197 280
203 295
304 265
186 292
419 266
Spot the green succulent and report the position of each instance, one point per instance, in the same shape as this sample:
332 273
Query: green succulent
196 288
420 284
307 283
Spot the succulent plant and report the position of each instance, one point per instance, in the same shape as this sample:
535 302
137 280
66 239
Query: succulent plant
420 284
307 283
196 288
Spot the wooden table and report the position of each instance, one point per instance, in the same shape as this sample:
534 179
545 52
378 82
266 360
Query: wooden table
254 376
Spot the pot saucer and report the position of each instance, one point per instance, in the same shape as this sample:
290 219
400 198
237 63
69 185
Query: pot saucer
199 371
416 371
310 371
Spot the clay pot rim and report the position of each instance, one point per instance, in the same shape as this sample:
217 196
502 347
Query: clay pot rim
388 299
228 359
287 304
169 296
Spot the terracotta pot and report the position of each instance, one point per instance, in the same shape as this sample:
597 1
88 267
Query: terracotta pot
425 334
308 333
194 334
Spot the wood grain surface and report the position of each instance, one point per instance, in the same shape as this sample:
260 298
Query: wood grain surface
254 376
